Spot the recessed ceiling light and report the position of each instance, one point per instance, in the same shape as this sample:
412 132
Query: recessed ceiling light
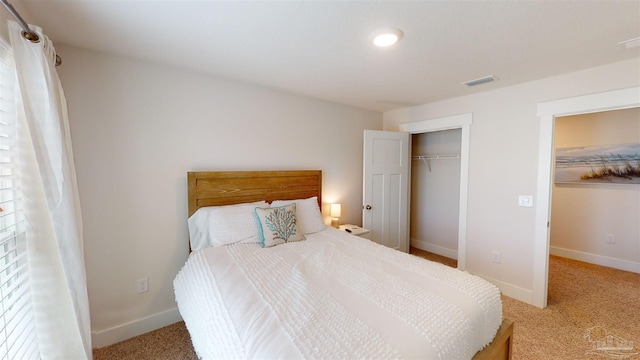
386 37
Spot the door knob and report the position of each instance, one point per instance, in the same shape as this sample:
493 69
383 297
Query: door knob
368 207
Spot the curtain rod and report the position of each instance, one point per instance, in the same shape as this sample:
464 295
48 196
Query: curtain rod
26 33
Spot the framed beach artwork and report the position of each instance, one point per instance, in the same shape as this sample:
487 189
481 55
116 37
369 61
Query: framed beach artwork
608 164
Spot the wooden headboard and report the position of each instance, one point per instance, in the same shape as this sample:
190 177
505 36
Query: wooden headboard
214 188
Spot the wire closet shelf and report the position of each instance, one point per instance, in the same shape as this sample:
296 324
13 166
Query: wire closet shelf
426 159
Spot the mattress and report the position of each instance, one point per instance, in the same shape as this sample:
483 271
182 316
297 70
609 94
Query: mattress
333 295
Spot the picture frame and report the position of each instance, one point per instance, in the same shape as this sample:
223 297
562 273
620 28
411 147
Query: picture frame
602 164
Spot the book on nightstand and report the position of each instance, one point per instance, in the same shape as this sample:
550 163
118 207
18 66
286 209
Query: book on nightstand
355 230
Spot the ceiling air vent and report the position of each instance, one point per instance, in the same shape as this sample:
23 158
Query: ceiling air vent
482 80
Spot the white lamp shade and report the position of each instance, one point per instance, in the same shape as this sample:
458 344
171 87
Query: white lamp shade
336 210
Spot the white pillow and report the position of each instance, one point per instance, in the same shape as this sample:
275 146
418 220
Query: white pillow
278 225
308 213
222 225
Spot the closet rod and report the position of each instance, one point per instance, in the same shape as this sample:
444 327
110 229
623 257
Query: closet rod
439 156
27 33
426 158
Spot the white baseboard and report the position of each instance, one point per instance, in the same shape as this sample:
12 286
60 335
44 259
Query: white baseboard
436 249
512 291
106 337
615 263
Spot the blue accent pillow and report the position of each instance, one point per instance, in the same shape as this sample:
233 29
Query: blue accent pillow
278 225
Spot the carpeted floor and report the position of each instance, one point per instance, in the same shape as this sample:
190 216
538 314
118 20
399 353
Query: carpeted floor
584 299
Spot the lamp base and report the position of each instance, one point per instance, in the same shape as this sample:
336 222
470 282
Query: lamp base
335 222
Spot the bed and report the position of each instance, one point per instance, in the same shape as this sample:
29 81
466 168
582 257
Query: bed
323 293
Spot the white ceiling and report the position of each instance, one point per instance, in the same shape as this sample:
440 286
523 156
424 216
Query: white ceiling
321 48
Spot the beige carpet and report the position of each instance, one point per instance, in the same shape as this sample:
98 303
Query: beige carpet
581 297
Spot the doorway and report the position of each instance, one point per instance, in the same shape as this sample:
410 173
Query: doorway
463 124
547 112
435 192
594 213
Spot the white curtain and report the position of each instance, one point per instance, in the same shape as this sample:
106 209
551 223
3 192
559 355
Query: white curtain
52 207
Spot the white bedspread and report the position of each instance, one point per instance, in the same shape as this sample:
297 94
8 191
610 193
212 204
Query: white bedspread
333 295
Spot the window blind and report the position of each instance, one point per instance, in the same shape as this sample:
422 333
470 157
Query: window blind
17 334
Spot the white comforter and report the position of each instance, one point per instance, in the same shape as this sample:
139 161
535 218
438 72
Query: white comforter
333 295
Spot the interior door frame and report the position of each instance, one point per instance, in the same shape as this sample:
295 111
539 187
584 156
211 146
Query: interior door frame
463 122
547 112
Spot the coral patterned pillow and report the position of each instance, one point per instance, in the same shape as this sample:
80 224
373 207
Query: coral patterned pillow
308 213
278 225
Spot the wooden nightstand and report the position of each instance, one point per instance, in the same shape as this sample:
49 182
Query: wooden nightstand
355 230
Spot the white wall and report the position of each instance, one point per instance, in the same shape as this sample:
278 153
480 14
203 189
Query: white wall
583 214
503 164
4 35
138 127
435 193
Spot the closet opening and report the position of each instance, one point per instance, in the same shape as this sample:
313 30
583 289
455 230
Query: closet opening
435 193
450 139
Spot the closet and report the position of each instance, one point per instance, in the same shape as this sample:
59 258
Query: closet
435 191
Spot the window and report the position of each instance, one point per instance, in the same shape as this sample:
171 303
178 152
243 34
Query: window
17 329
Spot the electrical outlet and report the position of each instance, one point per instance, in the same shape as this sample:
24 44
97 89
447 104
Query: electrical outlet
143 285
611 238
525 201
495 257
